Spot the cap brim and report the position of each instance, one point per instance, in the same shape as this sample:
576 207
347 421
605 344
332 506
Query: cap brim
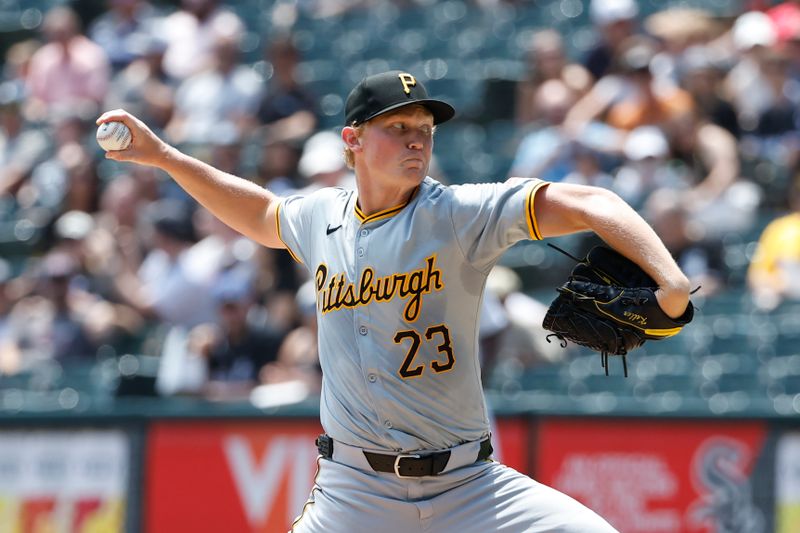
441 111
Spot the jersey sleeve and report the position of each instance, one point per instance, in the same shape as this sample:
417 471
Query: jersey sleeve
489 218
294 219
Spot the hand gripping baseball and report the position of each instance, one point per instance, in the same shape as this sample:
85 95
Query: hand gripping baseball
145 147
609 304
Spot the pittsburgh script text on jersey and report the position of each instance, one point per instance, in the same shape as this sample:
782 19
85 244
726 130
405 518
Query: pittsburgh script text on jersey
338 292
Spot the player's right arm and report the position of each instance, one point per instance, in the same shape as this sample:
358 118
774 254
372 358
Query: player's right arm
239 203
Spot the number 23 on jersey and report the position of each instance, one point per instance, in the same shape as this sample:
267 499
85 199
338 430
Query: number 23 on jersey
438 335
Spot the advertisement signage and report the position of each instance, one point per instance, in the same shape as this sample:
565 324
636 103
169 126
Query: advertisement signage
658 476
58 481
787 483
228 476
248 476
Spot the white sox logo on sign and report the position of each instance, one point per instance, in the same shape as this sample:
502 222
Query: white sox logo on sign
719 472
408 82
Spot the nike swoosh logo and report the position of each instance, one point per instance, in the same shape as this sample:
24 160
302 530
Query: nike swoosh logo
330 230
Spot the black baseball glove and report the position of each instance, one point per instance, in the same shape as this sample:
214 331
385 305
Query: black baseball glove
609 305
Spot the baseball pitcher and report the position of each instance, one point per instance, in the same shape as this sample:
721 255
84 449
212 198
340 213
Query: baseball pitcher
399 267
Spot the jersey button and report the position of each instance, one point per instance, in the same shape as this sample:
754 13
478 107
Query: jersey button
363 330
372 378
387 425
360 252
364 232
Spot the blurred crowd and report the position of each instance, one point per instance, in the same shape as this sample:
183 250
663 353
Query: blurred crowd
690 116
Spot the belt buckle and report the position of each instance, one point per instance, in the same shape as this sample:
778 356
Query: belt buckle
397 462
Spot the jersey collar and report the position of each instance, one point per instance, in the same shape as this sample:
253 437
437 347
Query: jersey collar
386 213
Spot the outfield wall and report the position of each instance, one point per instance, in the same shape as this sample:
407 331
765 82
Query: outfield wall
232 469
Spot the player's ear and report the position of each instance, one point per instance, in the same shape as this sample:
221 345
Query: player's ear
351 138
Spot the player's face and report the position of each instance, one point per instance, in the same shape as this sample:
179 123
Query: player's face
398 145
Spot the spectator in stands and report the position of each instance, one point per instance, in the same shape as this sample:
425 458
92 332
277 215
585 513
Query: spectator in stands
646 167
298 356
632 98
220 248
168 285
700 257
70 72
514 335
774 273
21 147
115 246
83 184
225 152
121 205
75 235
701 75
216 102
16 67
118 29
67 179
191 34
786 19
551 152
677 30
111 244
322 164
5 276
777 135
278 277
278 166
614 21
143 85
546 152
752 36
588 169
288 108
221 265
237 346
70 232
53 323
546 60
780 117
719 200
9 360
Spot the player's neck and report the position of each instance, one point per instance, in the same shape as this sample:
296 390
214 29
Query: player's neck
373 198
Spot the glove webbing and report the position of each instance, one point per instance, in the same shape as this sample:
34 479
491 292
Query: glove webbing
604 351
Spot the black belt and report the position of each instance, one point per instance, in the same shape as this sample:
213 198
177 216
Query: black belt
406 464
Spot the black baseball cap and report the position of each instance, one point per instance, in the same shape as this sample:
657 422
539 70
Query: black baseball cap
380 93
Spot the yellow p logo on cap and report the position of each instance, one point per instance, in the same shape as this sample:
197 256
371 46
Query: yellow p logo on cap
408 81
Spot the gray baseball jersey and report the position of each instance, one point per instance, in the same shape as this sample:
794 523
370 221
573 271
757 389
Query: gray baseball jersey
398 299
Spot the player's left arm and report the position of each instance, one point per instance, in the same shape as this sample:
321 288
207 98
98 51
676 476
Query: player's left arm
562 208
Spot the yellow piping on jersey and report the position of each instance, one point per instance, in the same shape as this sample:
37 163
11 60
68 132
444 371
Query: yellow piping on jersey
310 501
278 226
386 213
335 292
530 214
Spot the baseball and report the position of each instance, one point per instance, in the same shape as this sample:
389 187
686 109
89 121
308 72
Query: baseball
113 136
